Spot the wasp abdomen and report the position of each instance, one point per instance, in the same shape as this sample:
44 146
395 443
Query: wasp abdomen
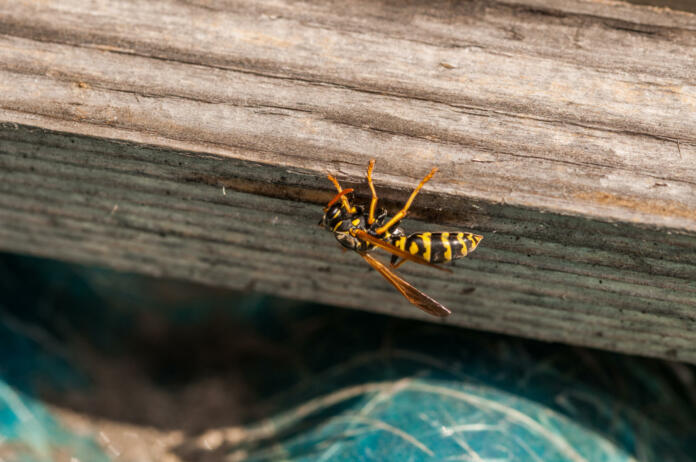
438 247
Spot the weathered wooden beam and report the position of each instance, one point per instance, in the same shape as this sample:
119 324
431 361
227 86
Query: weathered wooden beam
192 139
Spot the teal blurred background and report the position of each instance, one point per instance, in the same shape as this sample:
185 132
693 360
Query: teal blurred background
97 365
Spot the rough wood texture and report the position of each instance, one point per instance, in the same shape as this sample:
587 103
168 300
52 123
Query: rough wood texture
191 139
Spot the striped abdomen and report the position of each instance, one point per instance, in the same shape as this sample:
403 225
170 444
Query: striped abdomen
438 247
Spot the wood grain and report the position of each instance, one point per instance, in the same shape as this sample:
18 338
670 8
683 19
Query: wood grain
563 132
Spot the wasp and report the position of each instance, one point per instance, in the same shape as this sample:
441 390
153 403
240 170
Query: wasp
364 231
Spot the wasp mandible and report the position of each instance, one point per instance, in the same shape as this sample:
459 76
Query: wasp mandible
364 232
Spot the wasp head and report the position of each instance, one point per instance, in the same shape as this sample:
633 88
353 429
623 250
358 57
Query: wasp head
338 209
332 215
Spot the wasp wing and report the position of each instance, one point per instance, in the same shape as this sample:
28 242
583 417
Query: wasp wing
359 233
412 294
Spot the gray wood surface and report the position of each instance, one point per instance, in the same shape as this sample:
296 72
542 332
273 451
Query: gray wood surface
191 140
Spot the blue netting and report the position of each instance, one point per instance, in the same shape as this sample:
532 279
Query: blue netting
309 382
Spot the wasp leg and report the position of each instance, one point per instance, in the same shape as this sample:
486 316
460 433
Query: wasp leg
402 212
395 262
335 182
373 202
342 195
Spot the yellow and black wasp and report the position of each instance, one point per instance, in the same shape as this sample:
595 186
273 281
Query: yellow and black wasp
363 232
